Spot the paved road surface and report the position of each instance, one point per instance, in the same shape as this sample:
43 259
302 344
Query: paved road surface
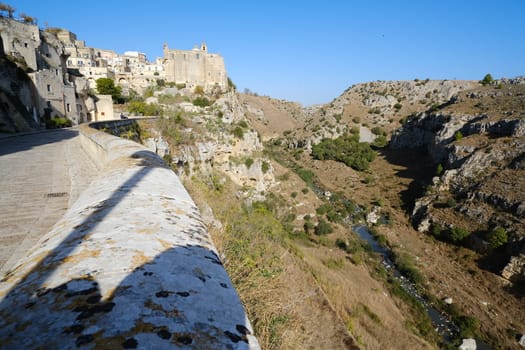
40 176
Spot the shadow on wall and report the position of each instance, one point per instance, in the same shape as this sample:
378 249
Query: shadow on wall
102 286
156 306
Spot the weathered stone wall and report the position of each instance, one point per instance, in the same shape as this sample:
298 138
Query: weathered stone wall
129 265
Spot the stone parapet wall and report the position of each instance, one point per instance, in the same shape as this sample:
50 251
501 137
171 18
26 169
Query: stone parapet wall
130 265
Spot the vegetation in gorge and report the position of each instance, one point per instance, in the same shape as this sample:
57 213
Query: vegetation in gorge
346 149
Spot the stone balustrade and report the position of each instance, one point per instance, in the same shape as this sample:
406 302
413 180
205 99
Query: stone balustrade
130 265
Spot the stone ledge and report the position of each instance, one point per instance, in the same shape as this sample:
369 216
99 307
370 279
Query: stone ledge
130 265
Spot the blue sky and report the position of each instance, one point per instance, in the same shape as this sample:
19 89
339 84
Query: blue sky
309 51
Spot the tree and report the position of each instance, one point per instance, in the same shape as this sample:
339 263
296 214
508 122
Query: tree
487 80
3 8
323 228
28 19
106 86
7 8
497 237
458 234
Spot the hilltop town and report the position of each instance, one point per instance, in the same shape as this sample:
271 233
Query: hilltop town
63 72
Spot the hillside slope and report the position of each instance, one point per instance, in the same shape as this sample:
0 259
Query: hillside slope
480 185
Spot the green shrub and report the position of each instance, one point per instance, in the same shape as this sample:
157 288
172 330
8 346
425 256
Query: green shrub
243 124
458 135
405 264
201 102
487 80
346 149
439 169
376 130
380 141
323 209
436 230
308 226
238 132
58 122
306 175
468 326
323 228
248 162
458 234
265 166
141 108
497 237
341 244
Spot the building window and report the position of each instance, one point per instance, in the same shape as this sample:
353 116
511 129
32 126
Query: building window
197 55
56 71
25 44
68 109
48 88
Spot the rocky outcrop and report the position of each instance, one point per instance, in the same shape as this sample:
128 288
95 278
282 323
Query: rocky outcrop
216 145
482 184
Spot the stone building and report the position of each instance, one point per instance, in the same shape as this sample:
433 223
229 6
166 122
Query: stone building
92 63
195 67
43 59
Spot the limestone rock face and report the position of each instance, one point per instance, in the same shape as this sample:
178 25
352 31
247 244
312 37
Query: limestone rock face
468 344
482 155
216 147
515 269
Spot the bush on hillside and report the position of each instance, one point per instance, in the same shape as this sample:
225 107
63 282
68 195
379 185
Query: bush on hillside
497 237
323 228
346 149
201 102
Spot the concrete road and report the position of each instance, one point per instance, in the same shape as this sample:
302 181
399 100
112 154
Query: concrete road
41 174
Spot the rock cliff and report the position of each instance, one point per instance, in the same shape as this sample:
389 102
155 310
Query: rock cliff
477 143
217 137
